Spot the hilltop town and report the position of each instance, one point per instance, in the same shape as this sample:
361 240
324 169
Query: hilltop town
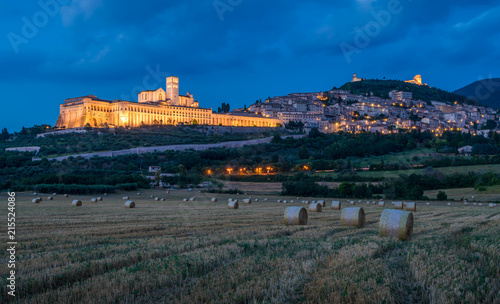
340 110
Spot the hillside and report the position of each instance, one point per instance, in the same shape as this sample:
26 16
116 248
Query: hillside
381 88
485 91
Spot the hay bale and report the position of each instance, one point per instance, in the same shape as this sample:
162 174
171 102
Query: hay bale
411 206
306 202
465 203
474 204
492 205
151 196
313 202
352 203
428 204
125 198
396 223
322 202
278 201
192 199
157 198
94 200
291 201
381 204
480 204
77 203
229 199
353 216
129 204
138 193
162 199
105 194
99 198
50 198
249 201
336 205
35 194
185 200
398 205
54 194
256 199
315 207
214 200
265 199
36 201
66 195
233 205
295 216
449 204
41 199
284 202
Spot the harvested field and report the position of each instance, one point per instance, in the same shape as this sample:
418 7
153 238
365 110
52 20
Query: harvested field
202 252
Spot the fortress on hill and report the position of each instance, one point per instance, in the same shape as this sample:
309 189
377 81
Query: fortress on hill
157 107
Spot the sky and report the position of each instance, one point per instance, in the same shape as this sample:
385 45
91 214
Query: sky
234 51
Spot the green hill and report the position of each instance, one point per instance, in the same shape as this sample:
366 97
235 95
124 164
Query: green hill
485 91
381 88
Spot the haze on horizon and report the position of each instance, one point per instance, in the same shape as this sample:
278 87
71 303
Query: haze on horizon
233 51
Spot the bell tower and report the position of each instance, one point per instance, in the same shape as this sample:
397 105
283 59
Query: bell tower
173 89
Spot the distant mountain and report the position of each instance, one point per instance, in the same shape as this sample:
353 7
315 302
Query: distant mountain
486 91
381 88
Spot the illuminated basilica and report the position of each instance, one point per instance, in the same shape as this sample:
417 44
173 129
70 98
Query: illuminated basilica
157 107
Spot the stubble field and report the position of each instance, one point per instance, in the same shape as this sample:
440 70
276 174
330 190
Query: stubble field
201 252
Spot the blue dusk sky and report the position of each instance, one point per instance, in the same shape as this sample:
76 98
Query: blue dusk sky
233 51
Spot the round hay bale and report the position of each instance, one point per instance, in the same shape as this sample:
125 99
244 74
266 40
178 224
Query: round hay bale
315 207
138 193
381 204
491 205
125 198
256 200
192 199
77 203
336 205
295 216
233 205
214 200
278 201
36 201
248 201
185 200
291 201
99 198
265 199
94 200
472 197
449 204
129 204
284 202
428 204
465 203
297 197
35 194
306 202
398 205
411 206
313 202
157 198
396 223
54 194
229 199
66 195
352 203
41 199
474 204
105 194
353 216
480 204
322 202
151 196
50 198
162 199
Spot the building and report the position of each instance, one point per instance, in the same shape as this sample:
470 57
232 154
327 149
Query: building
157 107
401 96
416 80
355 78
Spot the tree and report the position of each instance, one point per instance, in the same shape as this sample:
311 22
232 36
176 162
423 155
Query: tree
195 122
303 153
491 124
87 127
441 196
5 134
276 139
347 189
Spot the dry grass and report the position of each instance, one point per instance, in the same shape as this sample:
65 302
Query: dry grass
202 252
